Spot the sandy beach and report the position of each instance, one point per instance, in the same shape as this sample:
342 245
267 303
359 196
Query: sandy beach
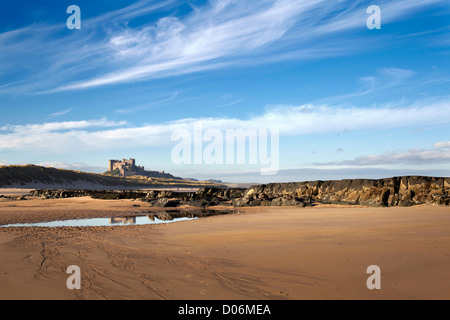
259 253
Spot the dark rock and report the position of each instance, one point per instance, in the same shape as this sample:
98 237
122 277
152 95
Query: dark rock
199 203
165 216
276 202
240 202
165 194
255 203
166 203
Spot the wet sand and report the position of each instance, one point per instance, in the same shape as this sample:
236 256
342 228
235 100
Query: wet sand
261 253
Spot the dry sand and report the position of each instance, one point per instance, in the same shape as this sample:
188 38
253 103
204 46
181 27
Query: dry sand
14 191
261 253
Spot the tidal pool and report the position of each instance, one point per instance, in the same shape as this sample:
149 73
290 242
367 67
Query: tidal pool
101 222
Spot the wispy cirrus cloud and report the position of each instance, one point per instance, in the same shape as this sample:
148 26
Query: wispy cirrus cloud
58 114
218 34
384 81
147 106
49 127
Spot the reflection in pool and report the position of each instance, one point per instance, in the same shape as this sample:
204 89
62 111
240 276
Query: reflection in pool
102 222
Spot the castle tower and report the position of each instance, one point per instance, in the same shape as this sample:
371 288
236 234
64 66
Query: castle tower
111 165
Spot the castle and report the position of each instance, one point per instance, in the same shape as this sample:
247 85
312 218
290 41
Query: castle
125 167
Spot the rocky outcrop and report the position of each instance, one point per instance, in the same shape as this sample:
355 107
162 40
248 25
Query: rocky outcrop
398 191
204 197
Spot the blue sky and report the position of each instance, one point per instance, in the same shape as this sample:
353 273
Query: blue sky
348 102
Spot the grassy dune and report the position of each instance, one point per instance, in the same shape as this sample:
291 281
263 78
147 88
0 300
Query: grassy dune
31 176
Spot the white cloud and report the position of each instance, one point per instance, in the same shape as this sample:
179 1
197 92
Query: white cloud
442 145
289 120
409 157
309 119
